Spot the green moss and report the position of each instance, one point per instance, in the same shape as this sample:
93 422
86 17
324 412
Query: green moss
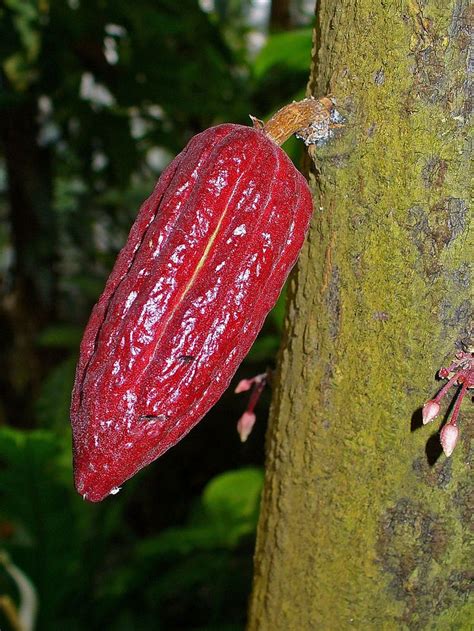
356 530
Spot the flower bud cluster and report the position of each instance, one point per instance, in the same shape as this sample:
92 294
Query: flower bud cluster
248 418
460 373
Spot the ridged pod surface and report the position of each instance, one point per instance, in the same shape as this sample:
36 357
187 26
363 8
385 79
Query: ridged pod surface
204 263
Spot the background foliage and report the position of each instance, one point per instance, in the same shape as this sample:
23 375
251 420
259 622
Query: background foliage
95 99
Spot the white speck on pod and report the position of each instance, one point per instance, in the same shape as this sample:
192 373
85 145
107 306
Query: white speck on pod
240 230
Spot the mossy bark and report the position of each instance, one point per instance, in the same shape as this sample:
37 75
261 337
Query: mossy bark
364 523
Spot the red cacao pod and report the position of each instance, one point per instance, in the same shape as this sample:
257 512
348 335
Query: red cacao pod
204 263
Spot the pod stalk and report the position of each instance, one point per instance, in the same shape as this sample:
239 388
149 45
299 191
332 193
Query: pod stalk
302 118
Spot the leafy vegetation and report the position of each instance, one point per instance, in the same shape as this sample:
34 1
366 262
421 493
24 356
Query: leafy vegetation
90 570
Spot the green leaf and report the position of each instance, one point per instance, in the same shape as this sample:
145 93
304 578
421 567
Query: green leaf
179 542
228 511
231 501
264 349
277 314
233 493
19 67
52 405
60 336
185 561
291 50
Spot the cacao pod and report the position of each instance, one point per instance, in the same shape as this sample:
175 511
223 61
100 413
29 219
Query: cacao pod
204 263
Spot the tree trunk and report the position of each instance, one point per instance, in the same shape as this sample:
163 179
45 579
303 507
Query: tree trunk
280 15
364 524
29 299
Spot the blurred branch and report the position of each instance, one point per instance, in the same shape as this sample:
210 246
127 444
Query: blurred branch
11 613
21 618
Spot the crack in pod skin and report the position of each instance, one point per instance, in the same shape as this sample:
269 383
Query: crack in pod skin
205 261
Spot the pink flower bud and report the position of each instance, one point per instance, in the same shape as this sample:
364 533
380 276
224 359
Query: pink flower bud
244 385
430 411
245 425
449 437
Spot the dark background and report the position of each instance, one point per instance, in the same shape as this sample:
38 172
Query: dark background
95 99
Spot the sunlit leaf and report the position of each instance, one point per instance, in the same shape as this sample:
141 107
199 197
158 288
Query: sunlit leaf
231 499
290 49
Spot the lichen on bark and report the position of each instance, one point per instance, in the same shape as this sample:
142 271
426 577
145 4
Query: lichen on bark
364 525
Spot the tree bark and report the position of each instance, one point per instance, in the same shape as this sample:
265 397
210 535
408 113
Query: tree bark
29 298
280 15
364 524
